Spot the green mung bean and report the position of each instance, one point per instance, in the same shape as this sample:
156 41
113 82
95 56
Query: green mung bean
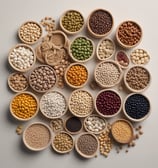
81 48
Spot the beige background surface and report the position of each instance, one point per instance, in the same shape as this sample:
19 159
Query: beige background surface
12 15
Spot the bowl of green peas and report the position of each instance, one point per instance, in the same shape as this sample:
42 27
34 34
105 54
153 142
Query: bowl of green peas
81 49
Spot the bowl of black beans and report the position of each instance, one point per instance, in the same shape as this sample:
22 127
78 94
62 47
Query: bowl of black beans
136 107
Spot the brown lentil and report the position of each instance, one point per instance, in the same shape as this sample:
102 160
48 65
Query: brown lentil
87 145
139 57
81 103
129 33
76 75
72 21
137 78
100 22
17 82
62 142
42 78
107 73
37 136
24 106
30 32
122 131
105 142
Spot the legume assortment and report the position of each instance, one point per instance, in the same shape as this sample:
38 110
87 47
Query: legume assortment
55 53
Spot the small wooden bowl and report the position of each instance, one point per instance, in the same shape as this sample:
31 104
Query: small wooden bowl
18 46
105 85
66 30
34 40
119 62
66 151
134 119
70 108
128 46
42 111
73 132
71 53
80 152
50 68
24 119
110 115
98 46
89 28
66 80
115 130
36 137
134 90
96 116
17 81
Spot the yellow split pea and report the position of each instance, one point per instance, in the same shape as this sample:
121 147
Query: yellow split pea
24 106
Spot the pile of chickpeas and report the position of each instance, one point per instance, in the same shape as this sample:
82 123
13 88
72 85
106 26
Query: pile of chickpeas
64 64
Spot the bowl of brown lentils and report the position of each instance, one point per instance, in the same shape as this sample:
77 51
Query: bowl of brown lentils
129 34
72 22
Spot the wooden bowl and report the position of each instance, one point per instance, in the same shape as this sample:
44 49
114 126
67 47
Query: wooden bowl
71 52
91 32
36 136
70 20
122 44
19 118
134 119
22 32
65 151
10 57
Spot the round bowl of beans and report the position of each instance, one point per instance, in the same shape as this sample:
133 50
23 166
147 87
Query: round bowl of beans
95 124
122 58
42 78
53 104
105 49
24 106
22 57
122 131
81 49
87 145
81 103
100 23
76 75
108 103
18 82
30 32
137 78
72 22
107 73
136 107
73 125
37 136
129 34
62 142
139 57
